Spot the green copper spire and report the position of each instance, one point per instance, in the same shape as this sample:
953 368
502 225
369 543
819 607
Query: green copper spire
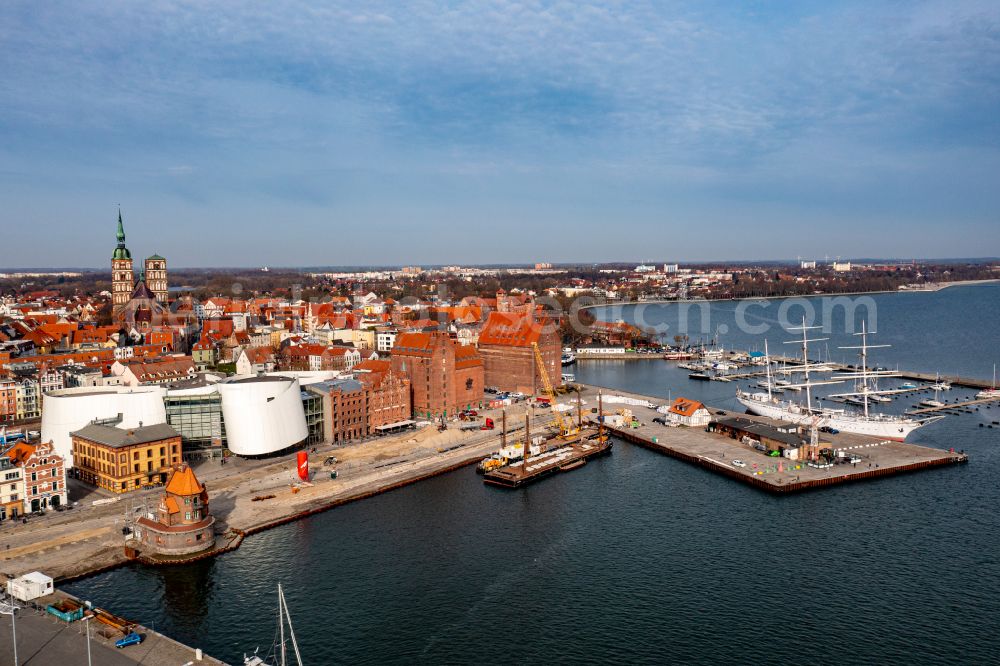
121 252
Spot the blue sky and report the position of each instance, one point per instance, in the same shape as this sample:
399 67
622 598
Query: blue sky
310 133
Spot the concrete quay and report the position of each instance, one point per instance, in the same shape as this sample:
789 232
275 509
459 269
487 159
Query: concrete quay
716 452
88 539
44 639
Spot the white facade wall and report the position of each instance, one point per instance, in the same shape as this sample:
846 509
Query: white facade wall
262 414
70 409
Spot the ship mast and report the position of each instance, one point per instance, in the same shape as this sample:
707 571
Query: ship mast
806 365
767 363
864 390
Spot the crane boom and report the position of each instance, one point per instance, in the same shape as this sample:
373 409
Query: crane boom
547 384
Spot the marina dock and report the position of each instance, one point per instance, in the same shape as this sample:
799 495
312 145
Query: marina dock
951 405
954 380
717 452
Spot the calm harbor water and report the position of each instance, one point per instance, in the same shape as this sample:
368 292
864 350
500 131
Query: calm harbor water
635 558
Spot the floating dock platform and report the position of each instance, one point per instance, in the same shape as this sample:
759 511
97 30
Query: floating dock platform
560 458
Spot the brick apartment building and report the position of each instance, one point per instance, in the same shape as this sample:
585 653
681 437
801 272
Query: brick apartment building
445 377
8 400
345 409
505 345
43 476
357 408
389 393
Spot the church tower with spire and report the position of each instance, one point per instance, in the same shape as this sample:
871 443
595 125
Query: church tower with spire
122 278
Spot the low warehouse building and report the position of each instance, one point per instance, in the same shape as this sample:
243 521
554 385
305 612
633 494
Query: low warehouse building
773 438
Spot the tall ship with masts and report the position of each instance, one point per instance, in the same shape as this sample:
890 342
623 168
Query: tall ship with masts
866 394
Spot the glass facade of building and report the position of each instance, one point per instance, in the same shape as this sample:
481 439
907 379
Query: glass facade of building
312 404
198 419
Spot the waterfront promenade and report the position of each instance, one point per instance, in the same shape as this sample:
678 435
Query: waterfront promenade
88 538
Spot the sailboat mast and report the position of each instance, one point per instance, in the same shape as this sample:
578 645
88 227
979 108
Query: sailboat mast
281 625
291 633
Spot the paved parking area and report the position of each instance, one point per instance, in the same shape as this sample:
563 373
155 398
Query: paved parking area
45 640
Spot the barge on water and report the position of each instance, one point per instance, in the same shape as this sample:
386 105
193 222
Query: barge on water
570 449
564 458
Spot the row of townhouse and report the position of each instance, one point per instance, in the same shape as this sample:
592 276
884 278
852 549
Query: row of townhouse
32 478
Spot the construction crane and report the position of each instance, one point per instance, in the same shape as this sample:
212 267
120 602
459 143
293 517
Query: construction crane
565 429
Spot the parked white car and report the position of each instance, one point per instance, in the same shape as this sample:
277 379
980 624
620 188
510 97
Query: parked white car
739 463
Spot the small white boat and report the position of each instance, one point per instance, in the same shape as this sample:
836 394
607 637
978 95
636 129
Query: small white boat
931 402
993 392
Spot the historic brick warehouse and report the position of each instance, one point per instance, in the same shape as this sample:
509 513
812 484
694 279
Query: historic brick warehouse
445 377
388 393
506 347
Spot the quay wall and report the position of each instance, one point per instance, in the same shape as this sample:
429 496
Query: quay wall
785 488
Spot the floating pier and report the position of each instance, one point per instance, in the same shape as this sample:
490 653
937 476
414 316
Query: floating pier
953 405
954 380
568 456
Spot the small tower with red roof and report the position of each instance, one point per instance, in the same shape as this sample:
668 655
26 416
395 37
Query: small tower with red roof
181 524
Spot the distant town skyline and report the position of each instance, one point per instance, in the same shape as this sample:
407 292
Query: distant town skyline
379 133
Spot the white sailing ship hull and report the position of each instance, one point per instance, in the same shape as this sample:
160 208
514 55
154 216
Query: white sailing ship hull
879 425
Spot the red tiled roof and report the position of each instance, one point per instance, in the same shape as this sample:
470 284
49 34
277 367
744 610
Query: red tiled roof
183 482
20 452
685 407
260 355
466 356
373 365
510 330
413 343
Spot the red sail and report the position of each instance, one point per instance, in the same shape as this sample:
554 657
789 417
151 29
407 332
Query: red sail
302 458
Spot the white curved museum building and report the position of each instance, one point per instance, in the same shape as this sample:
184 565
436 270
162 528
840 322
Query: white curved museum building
67 410
262 414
